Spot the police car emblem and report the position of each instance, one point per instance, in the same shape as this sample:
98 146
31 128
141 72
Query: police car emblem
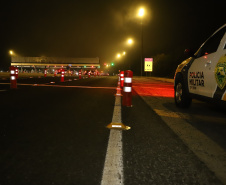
220 72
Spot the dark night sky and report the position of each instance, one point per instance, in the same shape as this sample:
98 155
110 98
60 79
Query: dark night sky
99 28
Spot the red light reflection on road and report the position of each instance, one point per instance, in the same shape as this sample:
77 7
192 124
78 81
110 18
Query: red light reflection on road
154 88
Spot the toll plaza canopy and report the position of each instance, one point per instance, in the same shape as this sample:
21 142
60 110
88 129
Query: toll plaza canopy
55 62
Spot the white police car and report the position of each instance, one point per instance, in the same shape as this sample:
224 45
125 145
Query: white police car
203 75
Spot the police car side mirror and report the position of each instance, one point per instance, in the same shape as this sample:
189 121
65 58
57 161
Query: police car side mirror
189 52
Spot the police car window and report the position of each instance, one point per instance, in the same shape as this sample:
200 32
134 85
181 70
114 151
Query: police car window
212 44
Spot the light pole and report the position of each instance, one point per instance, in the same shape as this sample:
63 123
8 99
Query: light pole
121 56
118 57
11 54
129 43
141 14
123 61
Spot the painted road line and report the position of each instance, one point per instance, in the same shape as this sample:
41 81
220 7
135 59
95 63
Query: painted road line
113 166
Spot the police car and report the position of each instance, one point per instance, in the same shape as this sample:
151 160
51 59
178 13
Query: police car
203 75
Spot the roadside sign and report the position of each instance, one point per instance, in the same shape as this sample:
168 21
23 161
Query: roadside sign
148 64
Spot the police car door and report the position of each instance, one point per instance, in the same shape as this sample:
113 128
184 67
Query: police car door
201 76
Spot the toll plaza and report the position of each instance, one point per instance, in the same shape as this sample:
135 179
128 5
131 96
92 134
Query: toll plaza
54 65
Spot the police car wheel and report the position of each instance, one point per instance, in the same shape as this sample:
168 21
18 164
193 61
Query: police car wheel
181 98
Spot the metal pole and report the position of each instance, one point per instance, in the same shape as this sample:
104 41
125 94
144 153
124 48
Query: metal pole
141 68
123 64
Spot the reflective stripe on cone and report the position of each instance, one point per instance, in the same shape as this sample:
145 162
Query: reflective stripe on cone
127 89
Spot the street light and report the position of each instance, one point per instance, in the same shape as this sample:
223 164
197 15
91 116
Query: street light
11 52
141 13
130 41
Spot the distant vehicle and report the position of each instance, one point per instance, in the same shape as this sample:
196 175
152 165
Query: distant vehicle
203 75
89 72
58 71
86 73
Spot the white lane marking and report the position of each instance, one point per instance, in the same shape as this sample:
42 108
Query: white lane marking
113 166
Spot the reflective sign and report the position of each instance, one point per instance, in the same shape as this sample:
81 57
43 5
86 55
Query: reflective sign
148 64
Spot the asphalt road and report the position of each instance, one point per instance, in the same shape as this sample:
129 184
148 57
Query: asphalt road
154 154
55 133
